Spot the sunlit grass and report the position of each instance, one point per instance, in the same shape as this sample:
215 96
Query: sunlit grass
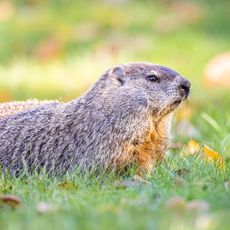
95 202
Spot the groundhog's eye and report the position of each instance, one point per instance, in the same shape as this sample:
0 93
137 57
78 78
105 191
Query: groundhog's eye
152 78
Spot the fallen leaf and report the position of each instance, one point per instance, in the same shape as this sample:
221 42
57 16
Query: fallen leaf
193 147
208 154
10 200
211 155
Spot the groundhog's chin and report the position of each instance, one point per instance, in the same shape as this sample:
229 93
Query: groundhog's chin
176 103
170 108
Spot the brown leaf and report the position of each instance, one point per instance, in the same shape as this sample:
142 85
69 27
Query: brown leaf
10 200
211 155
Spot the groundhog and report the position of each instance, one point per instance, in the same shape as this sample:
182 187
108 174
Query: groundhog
122 120
10 108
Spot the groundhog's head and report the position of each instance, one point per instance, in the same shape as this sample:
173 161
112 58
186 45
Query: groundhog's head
164 88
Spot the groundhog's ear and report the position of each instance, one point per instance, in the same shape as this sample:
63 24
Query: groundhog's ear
119 74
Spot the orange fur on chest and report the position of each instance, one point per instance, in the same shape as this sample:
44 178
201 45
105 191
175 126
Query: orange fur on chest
147 151
151 150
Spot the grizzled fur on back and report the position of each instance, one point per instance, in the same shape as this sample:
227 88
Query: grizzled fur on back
11 108
123 119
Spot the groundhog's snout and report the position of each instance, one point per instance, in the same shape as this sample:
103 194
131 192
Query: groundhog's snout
184 87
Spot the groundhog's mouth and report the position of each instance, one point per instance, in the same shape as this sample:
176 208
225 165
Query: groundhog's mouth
177 102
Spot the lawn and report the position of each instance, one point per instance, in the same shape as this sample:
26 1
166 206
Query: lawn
57 49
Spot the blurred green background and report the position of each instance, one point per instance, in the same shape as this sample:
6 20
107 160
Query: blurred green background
58 48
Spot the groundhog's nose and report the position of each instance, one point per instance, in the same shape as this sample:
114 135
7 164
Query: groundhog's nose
185 87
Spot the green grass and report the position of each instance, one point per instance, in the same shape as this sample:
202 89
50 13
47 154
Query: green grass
92 36
97 203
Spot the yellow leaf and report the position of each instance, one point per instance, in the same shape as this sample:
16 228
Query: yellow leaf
211 155
193 147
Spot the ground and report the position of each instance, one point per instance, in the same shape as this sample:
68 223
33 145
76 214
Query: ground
51 50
